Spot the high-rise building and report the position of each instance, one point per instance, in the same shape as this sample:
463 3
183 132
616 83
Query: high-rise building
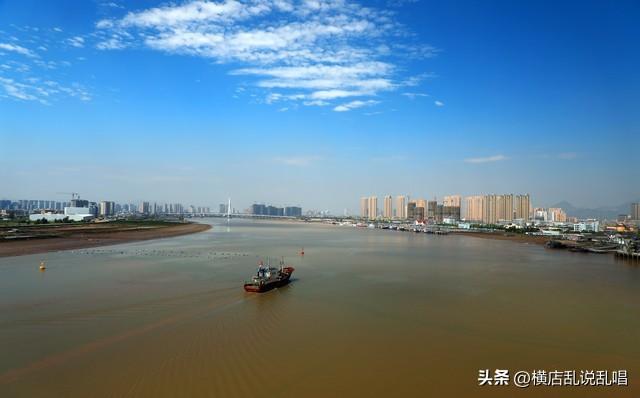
411 210
505 207
474 208
419 213
373 207
497 208
79 203
452 201
388 207
431 212
635 211
523 207
144 207
451 207
93 209
401 207
556 214
107 208
489 211
293 211
364 207
259 209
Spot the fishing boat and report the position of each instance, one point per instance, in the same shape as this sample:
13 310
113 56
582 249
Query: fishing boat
554 244
269 277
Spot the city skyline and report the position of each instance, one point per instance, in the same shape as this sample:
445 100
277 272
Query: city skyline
127 103
472 206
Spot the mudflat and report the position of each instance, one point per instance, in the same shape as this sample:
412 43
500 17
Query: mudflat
540 240
43 239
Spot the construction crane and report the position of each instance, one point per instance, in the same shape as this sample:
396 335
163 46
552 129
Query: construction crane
74 195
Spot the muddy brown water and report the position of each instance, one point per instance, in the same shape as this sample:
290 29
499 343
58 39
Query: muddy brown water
369 313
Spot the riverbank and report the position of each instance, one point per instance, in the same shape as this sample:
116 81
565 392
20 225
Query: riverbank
44 239
488 234
535 239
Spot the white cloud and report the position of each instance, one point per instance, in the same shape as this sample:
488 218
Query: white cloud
333 94
113 43
111 5
319 50
17 49
415 95
488 159
316 103
76 41
438 103
16 90
40 76
354 104
43 91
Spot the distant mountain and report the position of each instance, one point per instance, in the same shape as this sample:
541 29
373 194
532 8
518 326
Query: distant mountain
604 212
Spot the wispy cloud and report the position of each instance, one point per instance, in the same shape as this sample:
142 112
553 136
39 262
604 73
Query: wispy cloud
33 66
112 43
111 4
488 159
302 51
16 49
438 103
297 160
43 91
76 41
354 104
415 95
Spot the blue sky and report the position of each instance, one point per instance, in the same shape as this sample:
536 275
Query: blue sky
318 103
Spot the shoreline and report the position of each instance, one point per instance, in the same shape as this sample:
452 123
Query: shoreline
82 237
538 240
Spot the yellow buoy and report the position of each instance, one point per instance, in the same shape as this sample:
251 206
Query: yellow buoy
42 266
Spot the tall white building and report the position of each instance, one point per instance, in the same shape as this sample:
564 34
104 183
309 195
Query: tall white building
373 207
522 206
143 207
107 208
401 207
388 207
364 207
474 208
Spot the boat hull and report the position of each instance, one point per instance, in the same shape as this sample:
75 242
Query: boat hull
265 287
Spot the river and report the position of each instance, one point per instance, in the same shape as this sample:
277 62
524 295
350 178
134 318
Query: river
368 313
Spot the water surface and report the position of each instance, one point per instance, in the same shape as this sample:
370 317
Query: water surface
369 313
